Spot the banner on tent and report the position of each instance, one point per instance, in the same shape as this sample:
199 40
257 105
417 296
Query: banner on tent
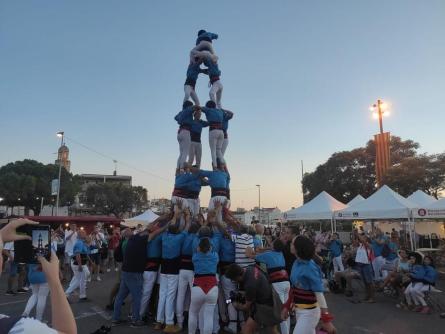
348 214
431 213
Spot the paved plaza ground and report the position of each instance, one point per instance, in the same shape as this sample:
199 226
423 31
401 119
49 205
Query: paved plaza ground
380 318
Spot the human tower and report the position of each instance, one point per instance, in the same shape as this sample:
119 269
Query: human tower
189 178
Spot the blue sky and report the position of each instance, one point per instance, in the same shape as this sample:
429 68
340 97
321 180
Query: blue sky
299 76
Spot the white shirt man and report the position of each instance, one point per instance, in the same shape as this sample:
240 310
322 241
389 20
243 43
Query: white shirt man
70 240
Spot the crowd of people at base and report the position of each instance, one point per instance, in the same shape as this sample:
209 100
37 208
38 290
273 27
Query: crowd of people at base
382 265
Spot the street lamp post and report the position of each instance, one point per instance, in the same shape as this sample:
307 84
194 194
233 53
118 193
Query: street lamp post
60 134
259 202
379 110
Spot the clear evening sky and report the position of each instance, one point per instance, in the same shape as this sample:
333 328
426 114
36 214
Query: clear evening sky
299 76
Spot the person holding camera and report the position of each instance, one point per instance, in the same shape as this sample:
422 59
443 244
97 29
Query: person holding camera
306 297
258 302
62 316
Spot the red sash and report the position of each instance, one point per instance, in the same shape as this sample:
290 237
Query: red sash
206 283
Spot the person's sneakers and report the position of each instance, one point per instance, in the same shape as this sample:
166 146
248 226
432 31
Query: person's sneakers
108 270
418 308
26 288
21 291
98 279
83 299
118 322
171 329
137 324
109 307
425 310
10 293
158 326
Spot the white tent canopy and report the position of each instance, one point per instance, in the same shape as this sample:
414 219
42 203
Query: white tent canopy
357 199
433 210
385 203
421 199
320 207
144 219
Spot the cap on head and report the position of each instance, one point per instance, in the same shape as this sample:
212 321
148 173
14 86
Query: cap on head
202 31
210 104
187 104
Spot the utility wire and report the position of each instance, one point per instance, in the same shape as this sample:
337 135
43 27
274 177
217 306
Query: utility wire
114 160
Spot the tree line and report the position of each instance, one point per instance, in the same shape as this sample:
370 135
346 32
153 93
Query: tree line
25 183
347 174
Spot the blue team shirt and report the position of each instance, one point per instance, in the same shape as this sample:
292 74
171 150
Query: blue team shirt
226 118
217 178
154 247
205 263
212 67
227 250
193 71
35 274
182 180
194 184
197 125
306 275
272 259
213 115
206 36
172 244
80 247
335 246
185 117
430 275
187 246
393 248
215 241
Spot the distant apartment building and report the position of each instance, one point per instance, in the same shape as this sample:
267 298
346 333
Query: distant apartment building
268 216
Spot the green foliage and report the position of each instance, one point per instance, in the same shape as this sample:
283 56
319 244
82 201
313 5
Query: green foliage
24 183
349 173
115 198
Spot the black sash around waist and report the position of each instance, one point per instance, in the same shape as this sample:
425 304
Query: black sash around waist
219 192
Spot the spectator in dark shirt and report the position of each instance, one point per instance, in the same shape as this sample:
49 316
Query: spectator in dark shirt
258 291
133 266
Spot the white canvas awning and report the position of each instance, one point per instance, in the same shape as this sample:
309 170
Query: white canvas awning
144 219
357 199
434 210
421 198
320 207
385 203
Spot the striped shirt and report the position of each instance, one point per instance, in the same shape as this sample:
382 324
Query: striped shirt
241 243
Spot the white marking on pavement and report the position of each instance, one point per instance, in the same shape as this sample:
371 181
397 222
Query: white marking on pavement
96 311
14 302
365 330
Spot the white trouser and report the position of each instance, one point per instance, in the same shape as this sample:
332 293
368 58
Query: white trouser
307 320
184 147
216 138
338 264
195 153
282 289
416 293
147 288
205 303
79 280
167 297
185 282
224 146
39 294
189 91
377 264
194 205
212 201
228 286
216 93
